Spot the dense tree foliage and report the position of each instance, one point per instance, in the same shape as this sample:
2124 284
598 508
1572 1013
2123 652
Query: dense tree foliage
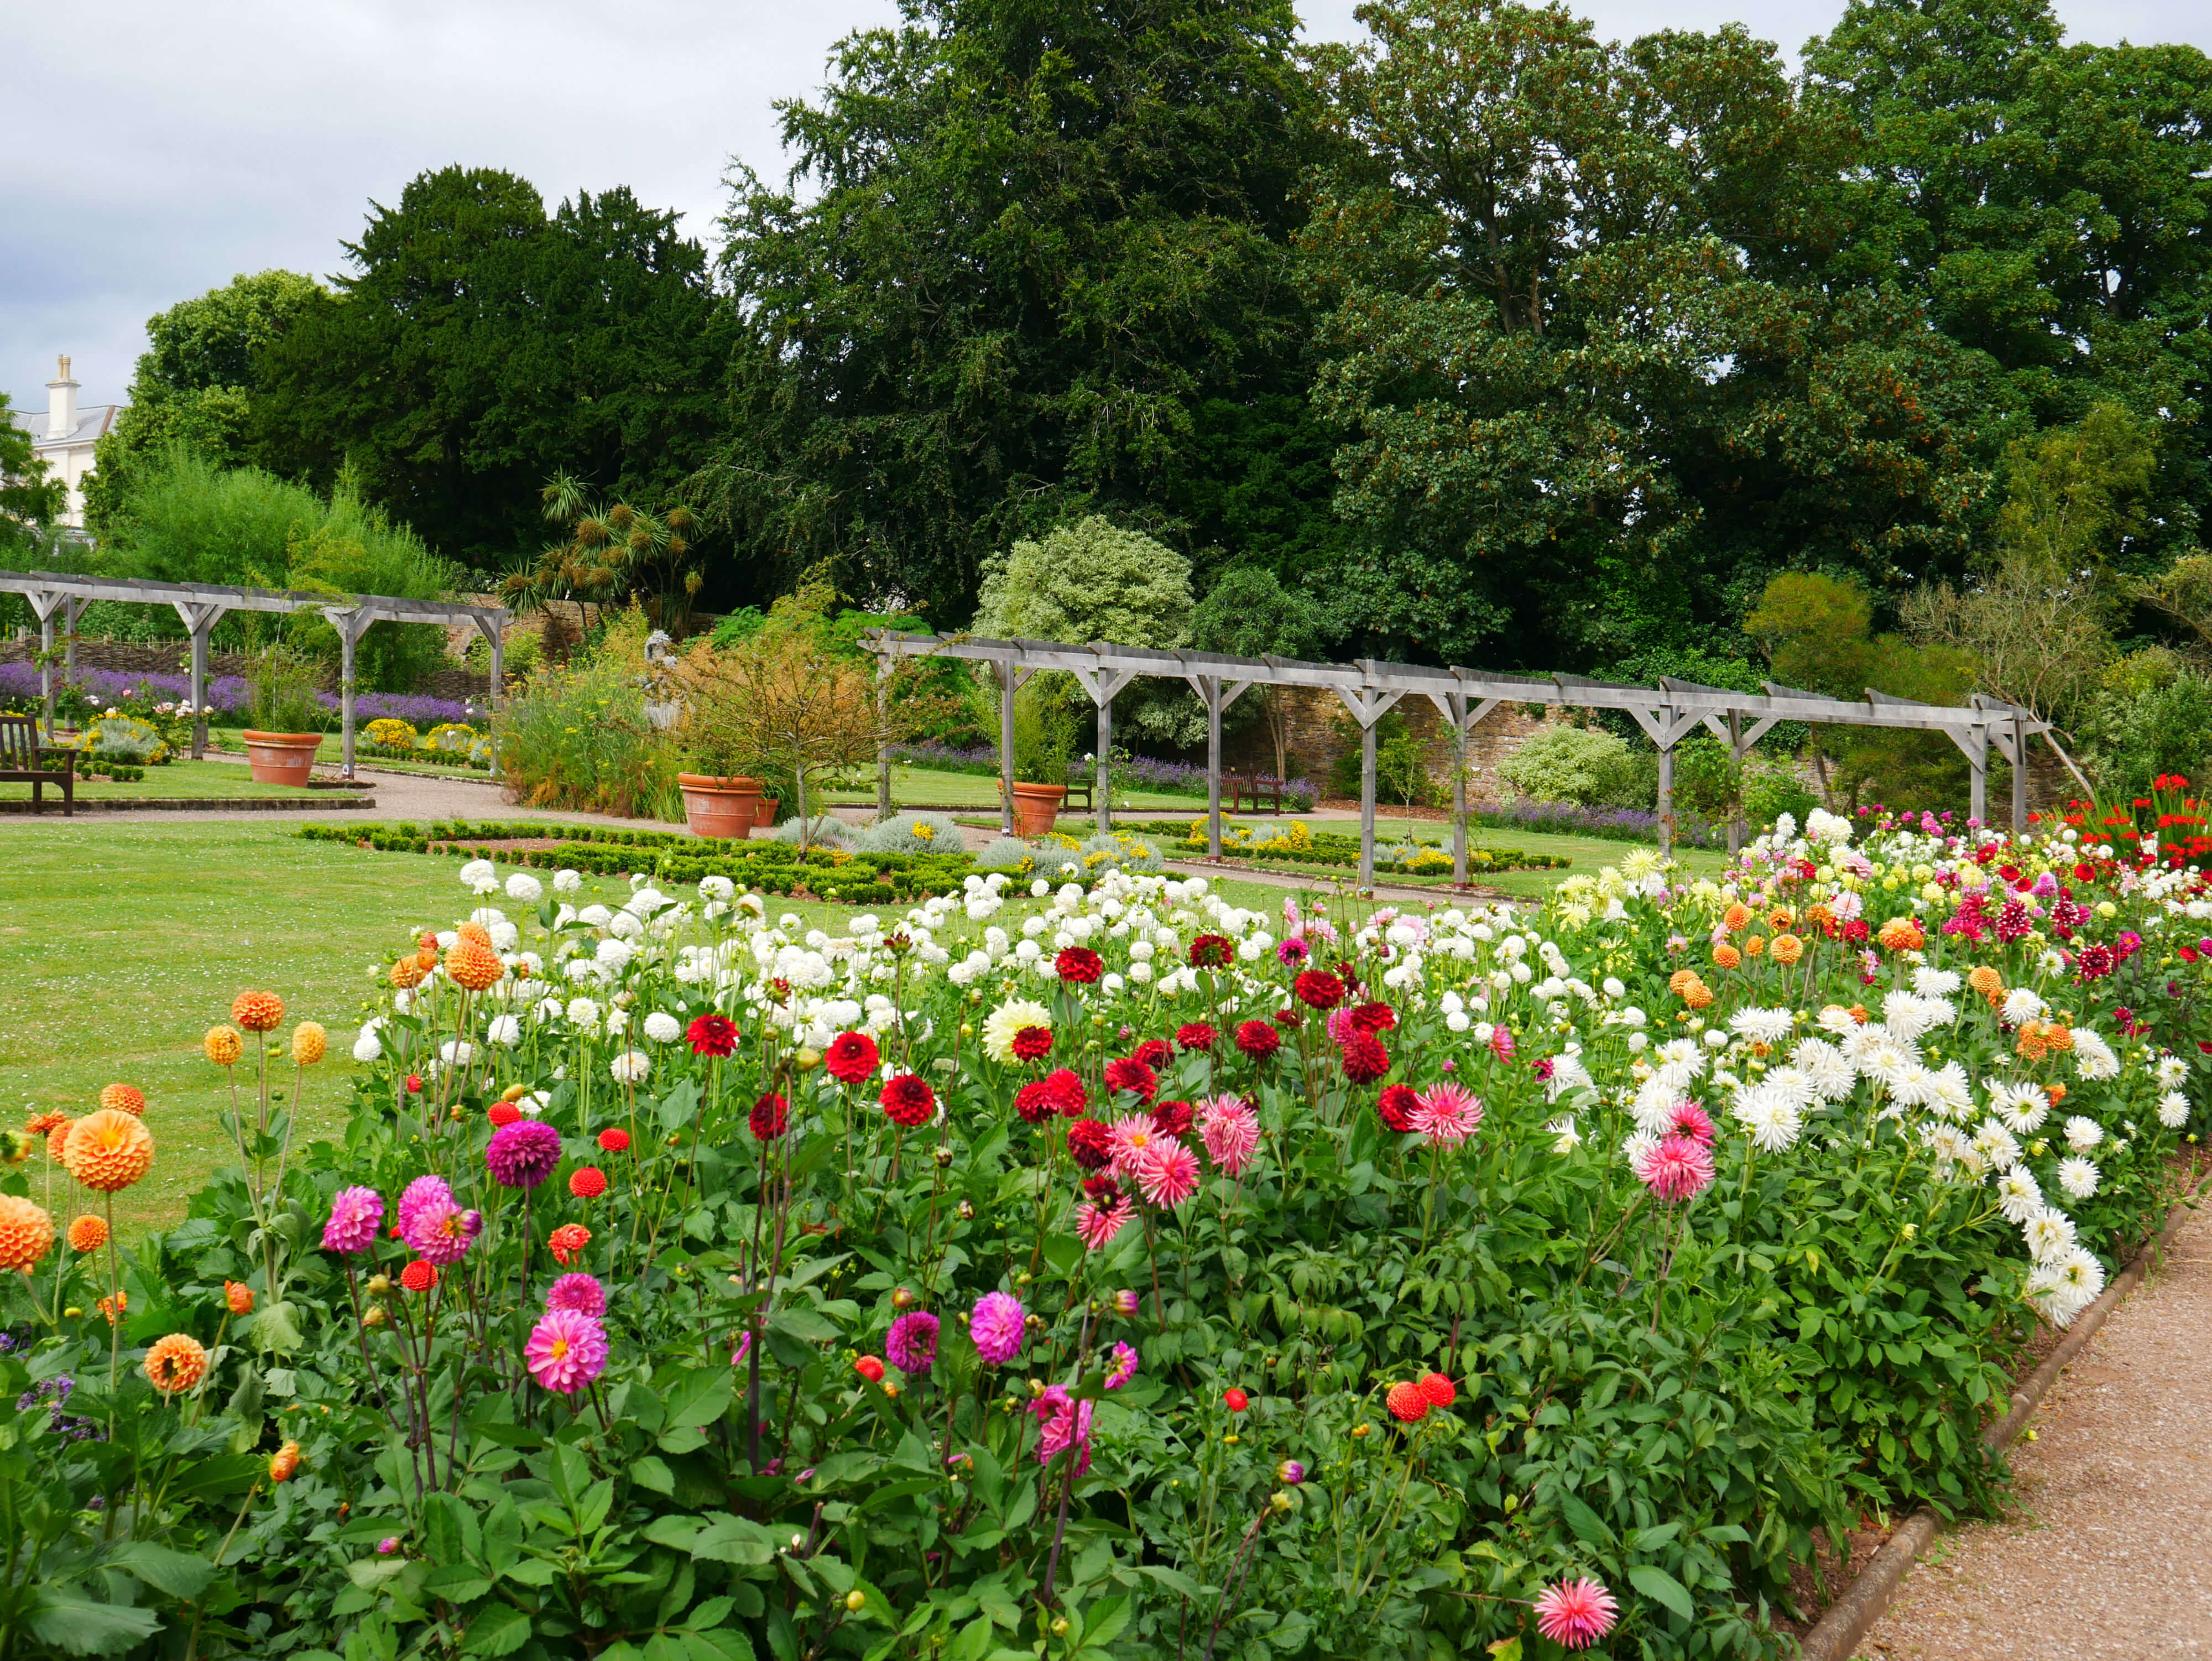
480 344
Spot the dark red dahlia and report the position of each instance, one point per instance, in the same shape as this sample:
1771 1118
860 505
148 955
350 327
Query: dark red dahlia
1317 988
1395 1106
907 1101
1134 1076
1091 1144
1032 1043
713 1035
1069 1098
1196 1035
851 1057
770 1118
1373 1017
1101 1190
1079 965
1033 1102
1211 951
1171 1118
1364 1058
1153 1053
1258 1040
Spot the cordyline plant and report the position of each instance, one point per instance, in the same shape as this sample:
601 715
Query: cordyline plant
1121 1273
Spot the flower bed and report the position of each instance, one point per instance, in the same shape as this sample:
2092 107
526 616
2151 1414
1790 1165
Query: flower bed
1297 844
1118 1275
1173 778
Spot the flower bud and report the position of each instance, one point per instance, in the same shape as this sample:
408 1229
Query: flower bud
856 1600
807 1058
1280 1499
943 1156
1290 1473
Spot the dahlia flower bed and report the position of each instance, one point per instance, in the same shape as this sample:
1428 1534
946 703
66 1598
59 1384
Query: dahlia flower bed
1106 1273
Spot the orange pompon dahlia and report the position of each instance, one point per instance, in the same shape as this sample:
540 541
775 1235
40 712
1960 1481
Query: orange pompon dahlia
1682 979
108 1151
1901 934
474 931
58 1139
2031 1044
26 1234
1987 982
1786 949
1735 917
1727 956
309 1041
1779 918
124 1099
2059 1035
1754 945
238 1297
473 965
1699 996
88 1232
285 1464
223 1046
114 1307
406 973
256 1012
175 1364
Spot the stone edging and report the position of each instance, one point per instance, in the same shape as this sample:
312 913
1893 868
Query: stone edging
1864 1601
199 803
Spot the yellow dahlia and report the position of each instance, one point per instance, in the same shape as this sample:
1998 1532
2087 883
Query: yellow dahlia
223 1045
309 1041
175 1364
124 1099
108 1151
26 1234
256 1012
474 966
88 1233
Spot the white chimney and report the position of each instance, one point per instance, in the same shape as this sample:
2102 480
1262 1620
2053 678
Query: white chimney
61 403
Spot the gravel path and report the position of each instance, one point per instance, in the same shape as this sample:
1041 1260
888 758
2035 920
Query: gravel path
2108 1551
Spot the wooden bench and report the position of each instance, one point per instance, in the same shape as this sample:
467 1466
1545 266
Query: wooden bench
1258 786
20 758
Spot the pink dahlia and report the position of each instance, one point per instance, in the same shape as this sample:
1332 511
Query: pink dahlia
440 1231
1230 1131
1689 1119
1678 1169
416 1196
1447 1113
566 1351
1167 1172
524 1153
1062 1420
1124 1367
996 1324
356 1215
1129 1138
1575 1614
580 1293
1097 1225
911 1343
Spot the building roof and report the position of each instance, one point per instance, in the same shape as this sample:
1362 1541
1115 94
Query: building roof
92 421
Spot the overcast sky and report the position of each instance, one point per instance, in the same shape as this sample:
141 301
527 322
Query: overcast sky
157 150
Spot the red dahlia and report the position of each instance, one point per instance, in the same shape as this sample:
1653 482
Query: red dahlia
1196 1035
851 1057
907 1100
418 1276
1375 1018
1091 1144
1318 990
503 1114
1079 965
770 1118
1395 1106
1438 1389
1069 1098
588 1182
614 1140
712 1035
1211 951
1153 1053
1364 1058
1134 1076
1258 1040
1171 1118
1032 1043
1034 1102
1101 1190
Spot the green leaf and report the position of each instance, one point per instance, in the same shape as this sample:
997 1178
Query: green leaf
75 1625
651 1473
1589 1527
371 1572
1661 1587
699 1397
457 1583
275 1328
500 1630
179 1573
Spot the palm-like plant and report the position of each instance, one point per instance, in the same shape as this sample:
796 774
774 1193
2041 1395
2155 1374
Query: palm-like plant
609 553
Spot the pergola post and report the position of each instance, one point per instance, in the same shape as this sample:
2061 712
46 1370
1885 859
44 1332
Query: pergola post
1368 705
72 609
885 664
1978 760
199 618
1007 743
42 605
2019 777
1104 685
1209 693
351 626
1735 755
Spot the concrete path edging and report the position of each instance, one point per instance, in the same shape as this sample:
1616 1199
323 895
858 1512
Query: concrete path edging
1863 1603
334 803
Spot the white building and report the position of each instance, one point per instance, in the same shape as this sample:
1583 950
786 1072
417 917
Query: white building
64 435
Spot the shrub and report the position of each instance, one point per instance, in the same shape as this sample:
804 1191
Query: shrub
578 735
1583 766
828 832
1007 854
2151 719
1769 791
912 833
285 685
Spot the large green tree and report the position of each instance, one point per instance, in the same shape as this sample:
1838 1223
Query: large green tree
479 345
195 383
1039 268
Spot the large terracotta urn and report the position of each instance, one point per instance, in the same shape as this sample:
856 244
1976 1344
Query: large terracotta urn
1036 808
281 757
723 807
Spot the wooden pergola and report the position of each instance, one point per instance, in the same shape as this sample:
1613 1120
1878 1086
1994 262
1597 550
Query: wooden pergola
1666 714
201 605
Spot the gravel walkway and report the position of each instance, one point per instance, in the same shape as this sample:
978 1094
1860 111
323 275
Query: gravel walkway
2108 1552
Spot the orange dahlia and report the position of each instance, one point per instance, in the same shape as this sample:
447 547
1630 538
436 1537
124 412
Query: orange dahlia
285 1464
223 1045
1727 956
1754 945
474 931
473 965
1735 917
1779 918
238 1297
309 1041
58 1139
406 973
2059 1035
88 1232
1786 949
115 1306
256 1012
1901 934
1699 996
46 1124
108 1151
26 1234
1680 980
1406 1403
124 1099
175 1364
1987 982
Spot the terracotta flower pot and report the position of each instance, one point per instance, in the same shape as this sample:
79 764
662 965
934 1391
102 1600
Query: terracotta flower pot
1036 808
281 757
720 806
766 815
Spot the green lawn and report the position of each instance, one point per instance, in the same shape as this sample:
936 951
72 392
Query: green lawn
331 752
211 780
927 786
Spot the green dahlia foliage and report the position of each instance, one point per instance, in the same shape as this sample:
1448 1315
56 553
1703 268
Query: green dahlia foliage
1122 1274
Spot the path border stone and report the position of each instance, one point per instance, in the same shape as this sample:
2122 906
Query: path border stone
1838 1632
330 804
